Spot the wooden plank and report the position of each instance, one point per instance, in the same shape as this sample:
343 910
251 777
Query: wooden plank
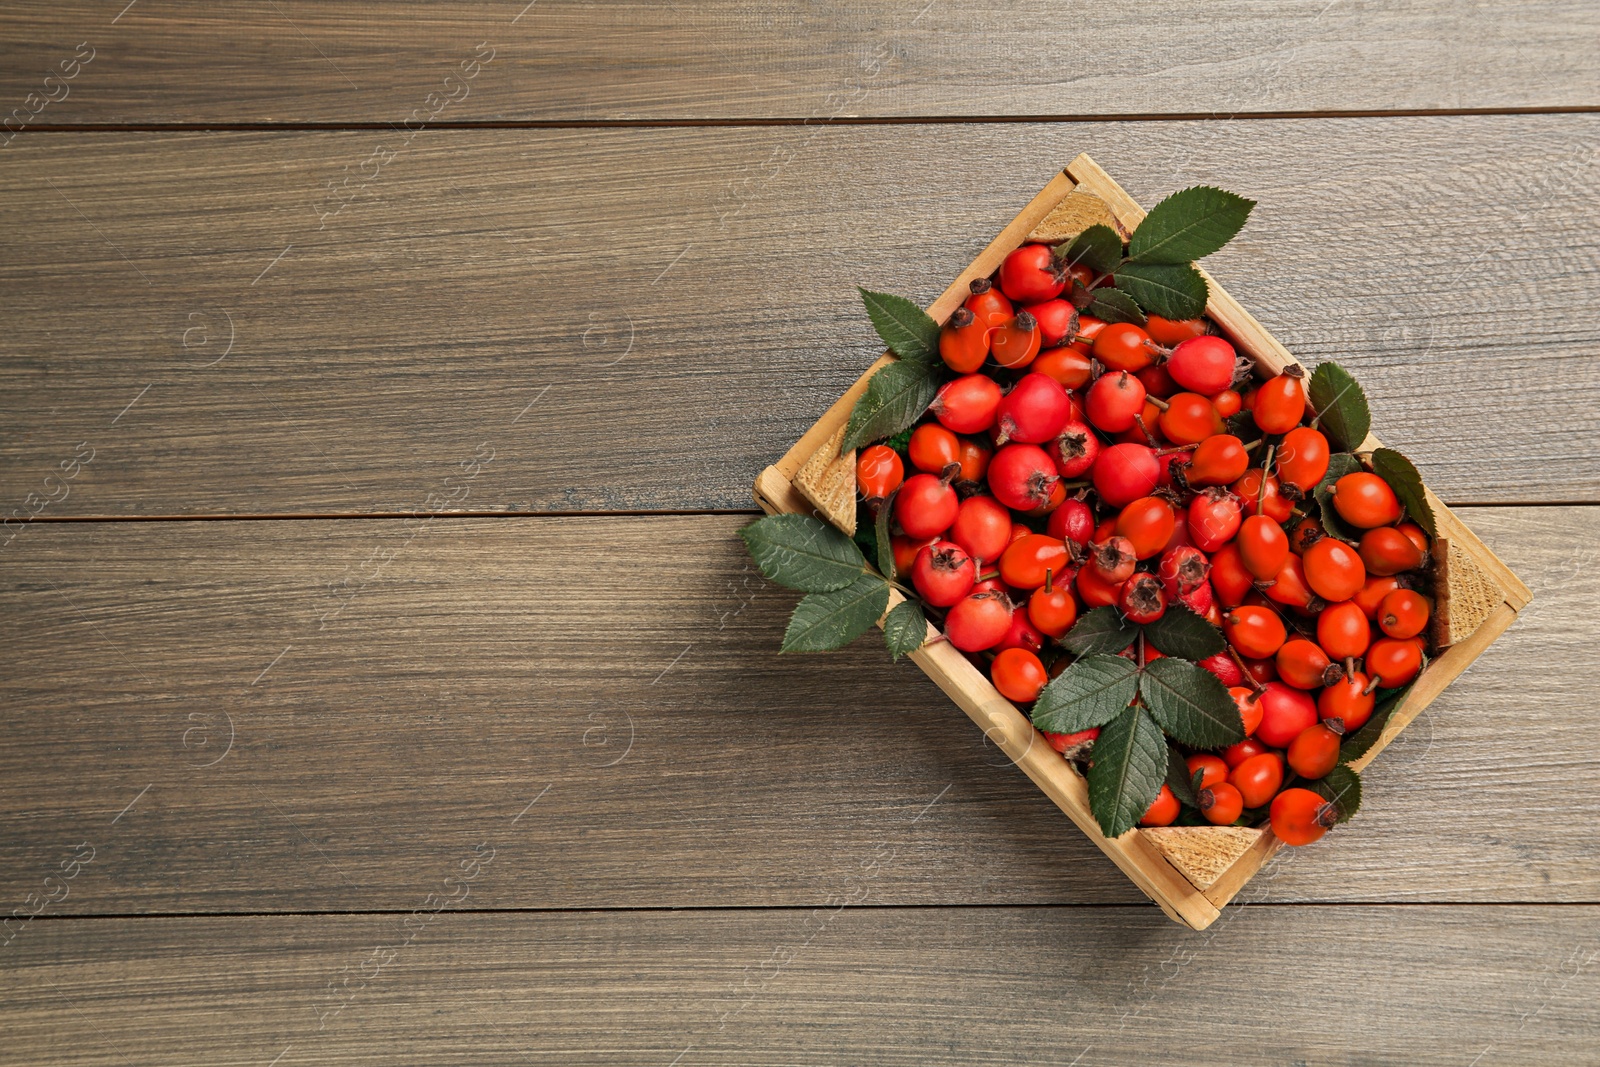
300 61
533 293
393 690
837 984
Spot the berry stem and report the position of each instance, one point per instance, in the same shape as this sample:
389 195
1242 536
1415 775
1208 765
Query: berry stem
1248 677
1266 466
1160 404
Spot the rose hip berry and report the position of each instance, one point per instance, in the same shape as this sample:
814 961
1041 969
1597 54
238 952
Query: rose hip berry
1018 674
978 621
1314 751
1148 524
1075 449
1334 570
1113 400
926 506
1342 631
1035 411
964 342
1365 500
1015 343
1026 561
879 472
1214 517
1029 275
1280 404
1255 632
1302 458
1300 816
1347 702
1219 460
1203 364
982 527
1122 346
967 404
1257 779
1124 473
1189 419
1066 365
1221 804
1051 607
1305 665
1263 546
943 573
933 448
1285 711
1073 522
988 304
1057 319
1023 477
1385 551
1403 613
1163 810
1142 599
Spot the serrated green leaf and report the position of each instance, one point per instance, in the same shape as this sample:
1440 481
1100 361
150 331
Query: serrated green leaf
1099 248
908 330
1089 693
1113 305
1341 406
1171 290
1190 703
1402 476
1339 464
1130 763
823 622
1180 632
1189 225
1100 630
1341 787
1180 781
885 541
803 553
905 629
896 397
1360 743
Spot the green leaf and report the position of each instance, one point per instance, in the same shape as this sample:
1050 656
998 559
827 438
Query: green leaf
908 330
1171 290
1360 743
1100 630
803 553
900 442
1090 693
1180 781
1341 406
1190 704
1242 424
1188 225
1113 305
1341 787
1182 633
896 397
1403 478
905 629
1130 763
825 621
885 542
1339 464
1099 248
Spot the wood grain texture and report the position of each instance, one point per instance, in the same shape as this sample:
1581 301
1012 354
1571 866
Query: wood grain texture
298 60
686 763
631 335
1110 987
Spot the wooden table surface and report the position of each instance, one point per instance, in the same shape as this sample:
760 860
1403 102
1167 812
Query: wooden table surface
381 385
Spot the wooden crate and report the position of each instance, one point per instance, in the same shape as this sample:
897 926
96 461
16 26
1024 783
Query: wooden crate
1191 872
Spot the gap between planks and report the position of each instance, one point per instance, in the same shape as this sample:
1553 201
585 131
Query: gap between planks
863 120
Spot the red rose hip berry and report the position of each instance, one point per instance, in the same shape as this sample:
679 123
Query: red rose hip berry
926 506
943 573
1023 477
967 404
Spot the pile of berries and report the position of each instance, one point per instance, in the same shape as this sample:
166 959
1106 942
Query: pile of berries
1075 464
